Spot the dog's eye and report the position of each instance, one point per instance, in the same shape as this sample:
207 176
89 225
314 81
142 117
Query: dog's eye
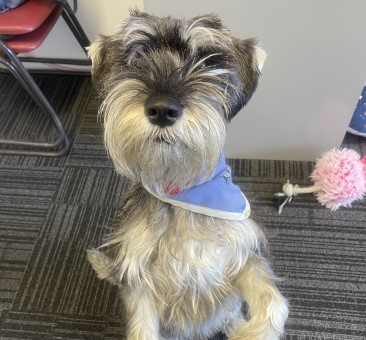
210 61
209 57
203 65
137 54
141 49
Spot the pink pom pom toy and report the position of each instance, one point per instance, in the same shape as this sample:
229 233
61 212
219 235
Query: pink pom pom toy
339 178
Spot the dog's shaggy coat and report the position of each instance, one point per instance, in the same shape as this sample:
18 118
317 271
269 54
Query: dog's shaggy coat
169 88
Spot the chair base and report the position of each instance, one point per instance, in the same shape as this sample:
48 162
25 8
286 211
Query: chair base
61 145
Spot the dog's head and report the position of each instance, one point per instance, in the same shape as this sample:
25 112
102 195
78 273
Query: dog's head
169 88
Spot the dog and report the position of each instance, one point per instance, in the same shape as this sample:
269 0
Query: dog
183 250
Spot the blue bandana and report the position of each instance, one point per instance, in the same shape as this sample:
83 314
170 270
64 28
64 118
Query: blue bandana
218 197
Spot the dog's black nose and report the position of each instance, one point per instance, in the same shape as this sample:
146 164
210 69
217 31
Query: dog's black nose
163 110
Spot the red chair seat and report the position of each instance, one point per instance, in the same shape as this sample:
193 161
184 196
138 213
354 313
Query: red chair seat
28 42
19 21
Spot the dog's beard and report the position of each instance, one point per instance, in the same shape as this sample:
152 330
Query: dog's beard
170 157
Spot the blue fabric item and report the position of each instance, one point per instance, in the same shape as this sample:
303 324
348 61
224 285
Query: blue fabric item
218 197
358 121
9 4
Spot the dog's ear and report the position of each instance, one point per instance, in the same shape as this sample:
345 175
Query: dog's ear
104 53
107 53
249 58
101 54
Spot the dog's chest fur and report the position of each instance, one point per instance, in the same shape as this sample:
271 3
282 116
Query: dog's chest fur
190 262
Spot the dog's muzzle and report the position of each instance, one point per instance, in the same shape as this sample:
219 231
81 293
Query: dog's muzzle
163 110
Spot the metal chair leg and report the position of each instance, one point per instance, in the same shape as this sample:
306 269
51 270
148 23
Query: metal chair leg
75 27
56 148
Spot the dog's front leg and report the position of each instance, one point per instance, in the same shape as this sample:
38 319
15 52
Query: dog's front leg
267 307
142 319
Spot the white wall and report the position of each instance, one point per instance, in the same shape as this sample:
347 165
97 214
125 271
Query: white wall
314 73
104 16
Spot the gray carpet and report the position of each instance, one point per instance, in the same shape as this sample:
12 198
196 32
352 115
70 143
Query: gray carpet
51 210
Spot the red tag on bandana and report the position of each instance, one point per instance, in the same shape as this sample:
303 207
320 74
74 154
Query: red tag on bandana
171 191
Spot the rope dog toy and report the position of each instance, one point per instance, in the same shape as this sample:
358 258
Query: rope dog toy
339 178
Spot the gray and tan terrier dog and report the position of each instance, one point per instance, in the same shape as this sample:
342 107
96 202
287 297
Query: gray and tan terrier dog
183 251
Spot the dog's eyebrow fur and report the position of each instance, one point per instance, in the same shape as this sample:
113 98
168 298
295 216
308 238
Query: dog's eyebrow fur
154 34
185 37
